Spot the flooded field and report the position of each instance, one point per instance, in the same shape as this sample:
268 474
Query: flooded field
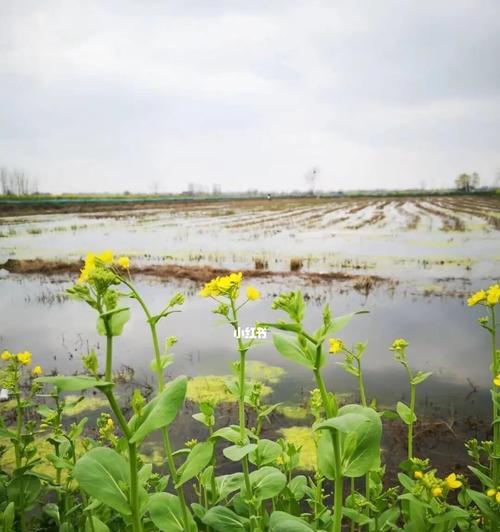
389 237
442 331
409 262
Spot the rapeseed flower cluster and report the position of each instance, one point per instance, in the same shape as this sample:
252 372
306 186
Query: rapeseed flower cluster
228 286
222 286
23 358
106 428
436 486
494 494
489 297
104 260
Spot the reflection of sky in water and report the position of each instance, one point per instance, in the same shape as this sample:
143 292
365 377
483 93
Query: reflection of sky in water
444 336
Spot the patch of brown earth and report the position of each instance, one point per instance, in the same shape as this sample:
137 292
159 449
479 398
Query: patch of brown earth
199 274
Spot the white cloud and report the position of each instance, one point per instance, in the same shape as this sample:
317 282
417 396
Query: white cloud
115 95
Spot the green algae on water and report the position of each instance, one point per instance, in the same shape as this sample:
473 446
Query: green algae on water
293 411
303 438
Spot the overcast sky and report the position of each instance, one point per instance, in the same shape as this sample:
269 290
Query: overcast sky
109 95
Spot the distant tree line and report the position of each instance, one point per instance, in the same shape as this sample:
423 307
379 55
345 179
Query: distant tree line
16 183
467 182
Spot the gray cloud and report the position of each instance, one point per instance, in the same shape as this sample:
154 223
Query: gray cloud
107 96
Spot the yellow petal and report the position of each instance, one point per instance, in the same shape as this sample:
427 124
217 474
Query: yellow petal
124 262
252 293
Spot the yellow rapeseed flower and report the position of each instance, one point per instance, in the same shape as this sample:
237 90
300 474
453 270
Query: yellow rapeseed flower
452 482
110 423
496 380
88 268
497 497
491 492
336 345
476 298
252 293
106 256
24 358
493 295
418 475
124 262
209 289
437 491
222 285
37 371
6 355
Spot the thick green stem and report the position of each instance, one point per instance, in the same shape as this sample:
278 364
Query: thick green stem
241 402
17 452
134 487
339 480
412 411
167 446
58 421
132 450
353 524
318 499
362 397
495 473
132 455
410 426
108 375
212 479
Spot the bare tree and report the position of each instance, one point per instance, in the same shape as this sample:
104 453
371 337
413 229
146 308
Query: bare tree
16 183
311 179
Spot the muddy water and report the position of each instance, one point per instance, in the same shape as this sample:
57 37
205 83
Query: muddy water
442 331
332 235
432 271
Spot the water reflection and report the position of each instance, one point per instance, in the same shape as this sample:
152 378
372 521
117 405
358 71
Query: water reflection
443 334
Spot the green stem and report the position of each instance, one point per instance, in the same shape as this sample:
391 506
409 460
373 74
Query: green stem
108 375
212 463
339 480
241 401
318 502
134 487
353 524
132 454
362 396
410 426
167 446
496 428
412 411
17 452
58 421
89 516
361 385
